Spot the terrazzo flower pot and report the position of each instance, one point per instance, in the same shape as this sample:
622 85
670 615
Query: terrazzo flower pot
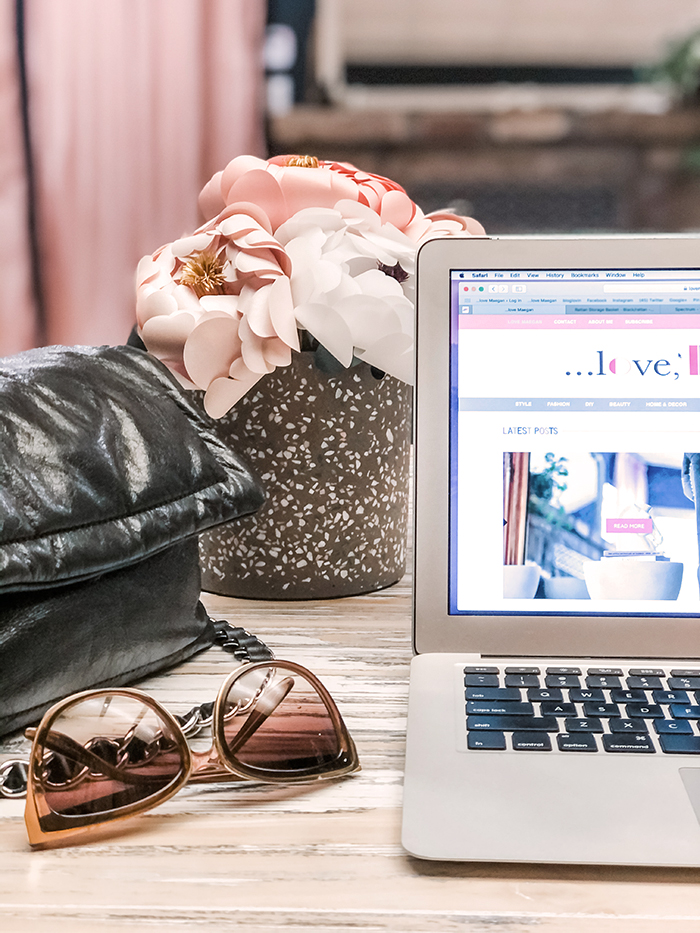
333 455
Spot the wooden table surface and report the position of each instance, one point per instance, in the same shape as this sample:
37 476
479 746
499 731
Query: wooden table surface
261 858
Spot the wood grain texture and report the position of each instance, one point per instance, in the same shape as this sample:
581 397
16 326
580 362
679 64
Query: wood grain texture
322 857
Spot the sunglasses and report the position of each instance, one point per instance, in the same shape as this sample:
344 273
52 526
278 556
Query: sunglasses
104 755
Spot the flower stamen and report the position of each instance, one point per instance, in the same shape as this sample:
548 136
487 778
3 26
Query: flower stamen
204 274
302 161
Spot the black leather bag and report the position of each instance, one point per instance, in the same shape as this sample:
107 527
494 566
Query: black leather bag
107 475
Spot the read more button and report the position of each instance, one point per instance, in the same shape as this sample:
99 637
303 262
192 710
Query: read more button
634 526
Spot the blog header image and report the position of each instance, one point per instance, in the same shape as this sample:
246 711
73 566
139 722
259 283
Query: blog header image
602 526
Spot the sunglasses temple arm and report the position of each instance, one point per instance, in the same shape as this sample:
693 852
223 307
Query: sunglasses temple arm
264 708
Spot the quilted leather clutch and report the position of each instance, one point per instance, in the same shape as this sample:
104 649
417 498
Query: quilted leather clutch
107 475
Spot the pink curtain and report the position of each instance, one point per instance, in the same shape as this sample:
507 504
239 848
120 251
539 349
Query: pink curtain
133 105
17 312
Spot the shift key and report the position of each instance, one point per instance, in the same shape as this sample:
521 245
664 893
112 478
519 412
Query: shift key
513 723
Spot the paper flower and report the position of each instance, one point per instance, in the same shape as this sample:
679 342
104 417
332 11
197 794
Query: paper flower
290 246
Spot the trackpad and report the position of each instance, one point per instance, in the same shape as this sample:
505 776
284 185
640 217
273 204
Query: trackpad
691 782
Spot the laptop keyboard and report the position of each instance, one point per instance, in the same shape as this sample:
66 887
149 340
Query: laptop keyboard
572 709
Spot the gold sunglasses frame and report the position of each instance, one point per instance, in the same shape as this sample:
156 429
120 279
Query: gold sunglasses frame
47 829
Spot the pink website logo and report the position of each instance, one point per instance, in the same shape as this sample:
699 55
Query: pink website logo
622 366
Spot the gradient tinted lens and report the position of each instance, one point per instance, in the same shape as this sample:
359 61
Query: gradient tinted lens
106 752
287 729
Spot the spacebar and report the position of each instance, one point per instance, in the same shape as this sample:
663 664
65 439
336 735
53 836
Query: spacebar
513 723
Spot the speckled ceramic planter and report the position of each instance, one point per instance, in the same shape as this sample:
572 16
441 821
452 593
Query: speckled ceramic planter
333 455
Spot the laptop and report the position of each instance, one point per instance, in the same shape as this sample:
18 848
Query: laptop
554 701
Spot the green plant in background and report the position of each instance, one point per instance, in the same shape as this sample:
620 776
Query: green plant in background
545 487
680 69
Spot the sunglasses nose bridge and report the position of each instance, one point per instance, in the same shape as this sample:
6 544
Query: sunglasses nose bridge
208 767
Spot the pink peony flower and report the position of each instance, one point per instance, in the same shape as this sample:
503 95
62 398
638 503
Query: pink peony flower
290 244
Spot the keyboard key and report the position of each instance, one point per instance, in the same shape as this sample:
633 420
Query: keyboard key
522 680
603 680
671 726
531 742
679 711
685 673
629 726
628 743
680 744
491 740
563 670
480 669
583 725
604 671
580 742
628 696
497 708
522 670
549 708
562 680
646 672
670 696
493 693
644 711
582 696
481 680
601 709
684 683
513 723
645 683
537 694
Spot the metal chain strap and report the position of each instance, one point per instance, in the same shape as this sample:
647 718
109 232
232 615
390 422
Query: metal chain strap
13 778
244 646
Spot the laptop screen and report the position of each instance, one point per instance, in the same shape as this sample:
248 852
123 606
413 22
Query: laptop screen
574 442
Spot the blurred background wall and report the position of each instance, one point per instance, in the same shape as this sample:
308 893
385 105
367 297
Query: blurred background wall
533 115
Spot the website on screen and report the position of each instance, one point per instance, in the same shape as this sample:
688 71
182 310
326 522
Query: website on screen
575 441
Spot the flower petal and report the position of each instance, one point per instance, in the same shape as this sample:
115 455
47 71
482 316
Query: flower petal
282 313
251 349
211 200
223 393
397 209
186 299
210 349
247 211
187 245
358 215
147 269
379 284
306 187
152 302
418 228
238 225
262 189
224 303
329 328
368 318
165 335
236 168
474 227
308 245
276 352
255 305
253 262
